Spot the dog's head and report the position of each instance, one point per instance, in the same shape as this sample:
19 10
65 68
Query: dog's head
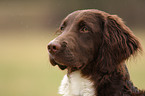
92 36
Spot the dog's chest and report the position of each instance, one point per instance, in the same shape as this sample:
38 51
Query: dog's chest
76 85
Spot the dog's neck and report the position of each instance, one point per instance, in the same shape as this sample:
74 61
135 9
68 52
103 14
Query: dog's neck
76 85
90 83
106 82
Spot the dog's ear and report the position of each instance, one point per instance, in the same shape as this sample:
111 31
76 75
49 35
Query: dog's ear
118 44
120 38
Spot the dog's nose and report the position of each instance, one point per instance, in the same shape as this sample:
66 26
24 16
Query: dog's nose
53 47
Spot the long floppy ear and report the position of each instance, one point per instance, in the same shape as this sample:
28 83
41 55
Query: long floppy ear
118 44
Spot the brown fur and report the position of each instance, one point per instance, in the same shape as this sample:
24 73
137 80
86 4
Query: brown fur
99 52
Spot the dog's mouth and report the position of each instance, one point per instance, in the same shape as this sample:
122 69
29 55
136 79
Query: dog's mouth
65 64
54 63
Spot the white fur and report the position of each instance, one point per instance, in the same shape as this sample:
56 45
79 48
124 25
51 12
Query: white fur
76 85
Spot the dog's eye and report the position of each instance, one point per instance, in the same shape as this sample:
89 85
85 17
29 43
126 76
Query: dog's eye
62 28
84 29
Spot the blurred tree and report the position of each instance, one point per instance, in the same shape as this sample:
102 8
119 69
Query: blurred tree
42 13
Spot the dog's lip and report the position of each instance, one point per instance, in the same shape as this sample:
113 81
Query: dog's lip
55 61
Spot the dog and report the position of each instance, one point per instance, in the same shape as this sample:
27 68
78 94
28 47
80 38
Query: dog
93 46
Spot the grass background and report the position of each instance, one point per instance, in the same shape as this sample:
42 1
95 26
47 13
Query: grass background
25 69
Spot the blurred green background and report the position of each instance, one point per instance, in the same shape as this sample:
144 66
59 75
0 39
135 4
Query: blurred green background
26 27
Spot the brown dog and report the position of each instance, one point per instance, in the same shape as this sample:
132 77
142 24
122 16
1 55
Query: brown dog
93 47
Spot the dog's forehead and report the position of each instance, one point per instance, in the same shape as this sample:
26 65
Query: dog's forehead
78 15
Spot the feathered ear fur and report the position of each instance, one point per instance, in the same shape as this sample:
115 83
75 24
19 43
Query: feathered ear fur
118 44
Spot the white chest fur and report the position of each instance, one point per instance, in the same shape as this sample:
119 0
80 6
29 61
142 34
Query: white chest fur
76 85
